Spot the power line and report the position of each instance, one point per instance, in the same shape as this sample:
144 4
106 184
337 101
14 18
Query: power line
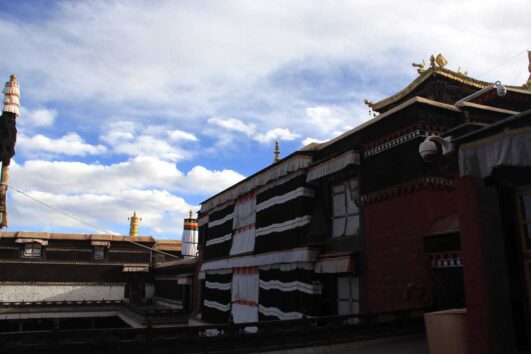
85 222
505 62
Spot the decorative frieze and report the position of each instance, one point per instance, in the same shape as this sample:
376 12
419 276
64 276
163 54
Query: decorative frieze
405 135
408 187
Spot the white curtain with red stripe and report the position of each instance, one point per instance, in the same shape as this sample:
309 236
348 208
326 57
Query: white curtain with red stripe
245 288
243 224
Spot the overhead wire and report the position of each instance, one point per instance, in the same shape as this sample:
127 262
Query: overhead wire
503 63
87 223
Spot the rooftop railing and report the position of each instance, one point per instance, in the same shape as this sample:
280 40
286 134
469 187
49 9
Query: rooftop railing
267 335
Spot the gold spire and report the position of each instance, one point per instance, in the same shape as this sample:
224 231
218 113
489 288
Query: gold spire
191 213
135 220
277 152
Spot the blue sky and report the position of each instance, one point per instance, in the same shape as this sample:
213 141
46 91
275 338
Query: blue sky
155 106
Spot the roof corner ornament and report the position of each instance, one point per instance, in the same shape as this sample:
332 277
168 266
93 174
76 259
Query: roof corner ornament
440 60
527 85
276 152
371 107
421 67
368 103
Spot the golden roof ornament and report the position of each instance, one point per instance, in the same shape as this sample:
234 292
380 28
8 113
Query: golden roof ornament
462 72
133 229
420 67
440 60
276 152
191 213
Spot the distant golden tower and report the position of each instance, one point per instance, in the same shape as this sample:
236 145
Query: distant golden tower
276 152
135 220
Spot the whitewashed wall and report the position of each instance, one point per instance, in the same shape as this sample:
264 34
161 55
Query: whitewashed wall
17 293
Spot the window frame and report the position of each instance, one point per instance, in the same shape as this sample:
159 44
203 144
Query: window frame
345 183
103 252
32 247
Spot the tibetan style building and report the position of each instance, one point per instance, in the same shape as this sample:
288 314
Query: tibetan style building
52 280
362 223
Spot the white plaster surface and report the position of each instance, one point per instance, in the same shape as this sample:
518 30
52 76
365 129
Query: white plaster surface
19 293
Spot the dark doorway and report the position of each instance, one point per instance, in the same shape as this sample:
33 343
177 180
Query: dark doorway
135 288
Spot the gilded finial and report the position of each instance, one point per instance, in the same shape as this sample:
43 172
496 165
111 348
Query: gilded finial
135 220
276 152
191 213
13 78
420 67
440 60
432 61
462 72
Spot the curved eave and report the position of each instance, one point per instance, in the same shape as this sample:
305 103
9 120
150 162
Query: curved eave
381 105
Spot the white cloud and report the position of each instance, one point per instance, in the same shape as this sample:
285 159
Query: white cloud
66 177
313 140
325 119
180 135
184 62
200 179
71 144
41 117
161 212
105 195
234 125
134 139
276 134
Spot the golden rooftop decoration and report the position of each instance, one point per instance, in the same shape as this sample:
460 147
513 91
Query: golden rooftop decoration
440 60
135 220
276 152
191 213
462 72
420 67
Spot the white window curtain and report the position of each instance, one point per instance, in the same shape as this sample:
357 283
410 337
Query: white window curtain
243 237
345 219
245 288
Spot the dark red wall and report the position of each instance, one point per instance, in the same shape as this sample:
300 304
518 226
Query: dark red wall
396 266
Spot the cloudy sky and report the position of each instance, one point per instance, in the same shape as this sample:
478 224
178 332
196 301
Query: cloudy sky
156 105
